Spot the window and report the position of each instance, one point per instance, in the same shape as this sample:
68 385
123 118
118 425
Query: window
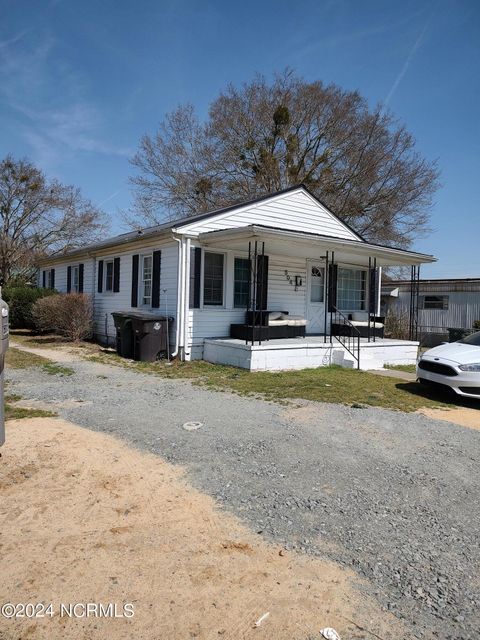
241 282
213 279
435 302
317 284
75 278
351 289
109 275
146 280
49 278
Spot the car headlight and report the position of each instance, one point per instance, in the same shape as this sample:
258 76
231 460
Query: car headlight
473 366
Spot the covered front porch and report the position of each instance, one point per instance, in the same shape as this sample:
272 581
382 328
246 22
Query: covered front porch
308 300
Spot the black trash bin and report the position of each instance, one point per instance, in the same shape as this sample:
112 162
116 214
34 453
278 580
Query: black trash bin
141 336
457 334
150 337
124 341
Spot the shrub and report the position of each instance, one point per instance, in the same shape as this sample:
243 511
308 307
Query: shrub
21 301
476 325
397 324
68 314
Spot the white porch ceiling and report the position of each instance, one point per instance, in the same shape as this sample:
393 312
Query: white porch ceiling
308 245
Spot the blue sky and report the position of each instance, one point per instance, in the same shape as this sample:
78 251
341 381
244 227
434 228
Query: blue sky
80 82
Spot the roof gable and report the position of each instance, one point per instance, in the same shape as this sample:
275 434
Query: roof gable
294 209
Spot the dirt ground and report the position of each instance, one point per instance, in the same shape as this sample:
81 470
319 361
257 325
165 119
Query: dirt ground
463 416
85 518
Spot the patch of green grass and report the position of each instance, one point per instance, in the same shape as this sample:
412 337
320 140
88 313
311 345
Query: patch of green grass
28 338
17 359
408 368
324 384
13 412
54 369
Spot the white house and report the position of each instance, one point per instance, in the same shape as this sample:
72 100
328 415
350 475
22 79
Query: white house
284 252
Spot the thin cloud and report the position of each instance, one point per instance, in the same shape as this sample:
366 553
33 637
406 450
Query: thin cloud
110 197
48 103
416 45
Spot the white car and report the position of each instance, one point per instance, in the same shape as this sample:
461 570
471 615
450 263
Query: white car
455 365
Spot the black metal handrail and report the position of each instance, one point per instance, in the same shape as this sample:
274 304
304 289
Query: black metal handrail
346 333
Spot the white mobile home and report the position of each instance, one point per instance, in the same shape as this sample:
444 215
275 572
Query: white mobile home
276 283
443 304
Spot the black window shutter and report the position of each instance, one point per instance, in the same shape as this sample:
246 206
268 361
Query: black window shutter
372 292
44 279
116 275
100 276
157 265
80 278
135 262
332 286
262 283
52 271
195 267
69 279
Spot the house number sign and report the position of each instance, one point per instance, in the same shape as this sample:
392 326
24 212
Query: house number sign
295 281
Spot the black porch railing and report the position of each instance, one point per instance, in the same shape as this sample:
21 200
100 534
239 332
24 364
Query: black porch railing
345 333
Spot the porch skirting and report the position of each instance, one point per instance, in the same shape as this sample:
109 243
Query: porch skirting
305 353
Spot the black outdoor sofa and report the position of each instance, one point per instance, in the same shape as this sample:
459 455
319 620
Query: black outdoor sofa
268 325
358 322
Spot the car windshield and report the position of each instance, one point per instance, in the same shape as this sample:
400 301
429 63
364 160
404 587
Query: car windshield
473 338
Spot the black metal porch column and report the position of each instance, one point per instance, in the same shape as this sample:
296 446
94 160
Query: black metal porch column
414 297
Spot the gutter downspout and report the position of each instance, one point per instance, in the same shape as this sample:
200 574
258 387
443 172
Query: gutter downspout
186 300
179 295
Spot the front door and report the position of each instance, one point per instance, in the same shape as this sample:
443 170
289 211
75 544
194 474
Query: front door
315 312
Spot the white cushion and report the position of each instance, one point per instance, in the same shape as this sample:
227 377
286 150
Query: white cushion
357 323
297 322
360 316
275 315
277 323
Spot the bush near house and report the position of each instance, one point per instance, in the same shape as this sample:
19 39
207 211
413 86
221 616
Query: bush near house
68 314
21 299
476 325
397 325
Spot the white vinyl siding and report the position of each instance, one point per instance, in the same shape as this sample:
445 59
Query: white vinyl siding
61 274
295 210
214 322
105 303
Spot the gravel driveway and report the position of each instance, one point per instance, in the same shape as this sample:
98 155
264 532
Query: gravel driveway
394 496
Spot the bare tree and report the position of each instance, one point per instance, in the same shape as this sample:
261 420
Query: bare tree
264 137
39 217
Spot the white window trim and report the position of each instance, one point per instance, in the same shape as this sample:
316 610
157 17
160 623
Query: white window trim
209 307
141 281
